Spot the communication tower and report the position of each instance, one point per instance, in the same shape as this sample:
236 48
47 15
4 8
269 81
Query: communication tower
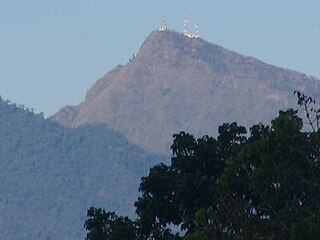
185 24
164 26
186 28
197 34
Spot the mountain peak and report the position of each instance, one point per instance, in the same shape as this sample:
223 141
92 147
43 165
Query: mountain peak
170 44
177 82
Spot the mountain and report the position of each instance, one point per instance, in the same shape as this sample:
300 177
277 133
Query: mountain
176 82
51 175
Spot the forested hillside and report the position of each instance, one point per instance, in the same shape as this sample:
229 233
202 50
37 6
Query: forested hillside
50 175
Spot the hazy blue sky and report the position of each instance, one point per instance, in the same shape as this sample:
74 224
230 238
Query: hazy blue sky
52 51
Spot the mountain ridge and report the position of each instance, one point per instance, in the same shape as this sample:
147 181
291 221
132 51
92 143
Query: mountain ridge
51 175
179 83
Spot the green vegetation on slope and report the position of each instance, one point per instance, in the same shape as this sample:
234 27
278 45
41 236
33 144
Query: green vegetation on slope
49 174
263 185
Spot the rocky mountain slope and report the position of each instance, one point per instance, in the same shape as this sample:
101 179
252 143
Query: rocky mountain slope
180 83
51 175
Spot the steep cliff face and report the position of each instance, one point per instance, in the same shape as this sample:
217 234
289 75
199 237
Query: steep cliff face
179 83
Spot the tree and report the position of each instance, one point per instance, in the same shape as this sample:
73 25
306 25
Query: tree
276 178
255 187
104 225
264 184
173 194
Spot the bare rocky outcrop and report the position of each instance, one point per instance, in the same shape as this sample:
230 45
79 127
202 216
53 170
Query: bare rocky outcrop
180 83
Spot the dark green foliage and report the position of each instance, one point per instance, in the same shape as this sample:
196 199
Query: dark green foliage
261 185
104 225
49 174
305 229
275 179
192 180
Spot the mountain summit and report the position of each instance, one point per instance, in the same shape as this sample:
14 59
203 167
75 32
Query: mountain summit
176 82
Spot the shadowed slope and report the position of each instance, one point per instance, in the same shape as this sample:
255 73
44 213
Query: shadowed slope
51 175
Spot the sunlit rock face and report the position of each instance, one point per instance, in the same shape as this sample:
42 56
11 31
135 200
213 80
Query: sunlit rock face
176 82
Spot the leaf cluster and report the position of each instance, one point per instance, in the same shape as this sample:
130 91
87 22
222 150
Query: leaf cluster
261 184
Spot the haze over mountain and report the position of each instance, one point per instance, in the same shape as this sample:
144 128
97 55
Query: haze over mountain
51 175
176 82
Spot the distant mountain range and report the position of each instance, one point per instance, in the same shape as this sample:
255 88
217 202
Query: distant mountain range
51 175
176 82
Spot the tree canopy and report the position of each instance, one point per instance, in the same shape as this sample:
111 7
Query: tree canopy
263 183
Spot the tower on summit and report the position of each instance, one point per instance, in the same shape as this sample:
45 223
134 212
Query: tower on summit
164 26
186 28
186 32
197 27
186 24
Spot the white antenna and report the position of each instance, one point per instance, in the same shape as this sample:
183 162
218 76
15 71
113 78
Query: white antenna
185 24
197 34
164 26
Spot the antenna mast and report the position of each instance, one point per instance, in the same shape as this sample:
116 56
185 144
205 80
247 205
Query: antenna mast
164 26
197 34
185 24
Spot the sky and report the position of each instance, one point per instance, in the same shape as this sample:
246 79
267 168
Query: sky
53 51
